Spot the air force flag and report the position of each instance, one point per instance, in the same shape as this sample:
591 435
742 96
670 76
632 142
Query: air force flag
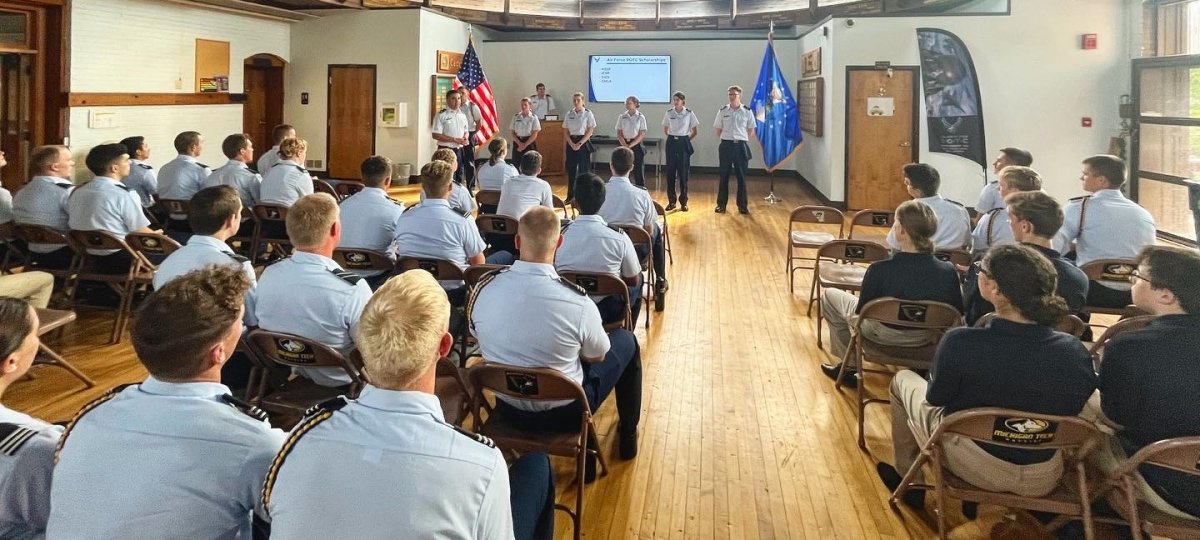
776 113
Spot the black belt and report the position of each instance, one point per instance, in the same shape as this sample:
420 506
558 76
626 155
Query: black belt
576 138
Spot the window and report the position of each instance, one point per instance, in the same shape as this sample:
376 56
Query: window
14 29
1166 145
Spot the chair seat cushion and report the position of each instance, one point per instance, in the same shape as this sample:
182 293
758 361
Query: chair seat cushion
841 276
811 238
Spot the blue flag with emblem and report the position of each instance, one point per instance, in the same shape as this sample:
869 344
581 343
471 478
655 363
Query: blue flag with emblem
775 112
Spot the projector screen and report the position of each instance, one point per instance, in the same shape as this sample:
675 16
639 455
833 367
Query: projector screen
615 77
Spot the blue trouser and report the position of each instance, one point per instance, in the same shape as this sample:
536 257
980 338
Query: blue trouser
678 162
612 308
660 253
531 494
732 158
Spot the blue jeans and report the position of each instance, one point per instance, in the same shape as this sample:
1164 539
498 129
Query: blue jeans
531 494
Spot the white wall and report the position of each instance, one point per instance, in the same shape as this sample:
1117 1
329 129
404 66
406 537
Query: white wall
814 160
106 57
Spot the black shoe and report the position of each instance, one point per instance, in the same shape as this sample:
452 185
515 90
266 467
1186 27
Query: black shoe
913 498
589 469
628 446
743 211
660 285
720 210
669 207
970 510
683 207
849 380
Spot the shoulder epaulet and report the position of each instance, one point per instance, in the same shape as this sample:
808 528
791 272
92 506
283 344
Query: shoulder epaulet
462 212
315 415
246 408
994 211
685 109
302 169
475 437
123 186
747 107
534 96
202 165
348 277
237 258
955 202
13 437
82 412
396 202
572 285
639 187
64 185
516 115
723 107
1079 198
144 166
444 109
616 228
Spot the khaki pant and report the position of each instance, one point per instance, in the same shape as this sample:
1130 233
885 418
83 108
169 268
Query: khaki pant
837 308
1109 456
914 420
32 287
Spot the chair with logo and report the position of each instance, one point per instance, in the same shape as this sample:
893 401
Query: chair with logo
643 244
152 247
366 260
1113 273
346 188
960 258
600 284
1070 324
1180 455
1120 327
298 394
875 221
842 264
798 239
497 229
488 200
137 276
537 384
172 209
41 234
270 229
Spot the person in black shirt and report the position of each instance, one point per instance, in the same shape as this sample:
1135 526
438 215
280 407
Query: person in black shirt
1149 377
1016 362
1035 218
912 274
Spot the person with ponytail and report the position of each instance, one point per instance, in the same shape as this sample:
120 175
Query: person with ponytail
1017 362
497 171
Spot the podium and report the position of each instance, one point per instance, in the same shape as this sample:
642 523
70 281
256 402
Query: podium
552 146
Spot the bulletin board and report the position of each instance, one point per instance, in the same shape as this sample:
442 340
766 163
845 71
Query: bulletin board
811 100
441 85
212 66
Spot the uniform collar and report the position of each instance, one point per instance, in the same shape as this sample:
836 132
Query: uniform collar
401 401
108 179
930 199
580 111
679 111
619 179
536 269
208 241
188 159
525 177
594 218
1108 194
275 148
530 115
52 179
435 202
183 389
374 192
237 164
628 114
304 257
293 162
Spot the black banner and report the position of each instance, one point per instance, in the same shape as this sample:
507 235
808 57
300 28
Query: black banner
952 101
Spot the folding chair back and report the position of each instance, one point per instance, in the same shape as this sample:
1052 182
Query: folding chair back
1122 326
362 259
138 273
321 186
1180 455
496 224
244 242
601 284
567 213
643 243
441 269
873 220
174 207
50 320
151 245
826 216
1070 324
299 394
957 257
346 188
487 197
452 391
41 234
269 214
1114 273
841 264
475 272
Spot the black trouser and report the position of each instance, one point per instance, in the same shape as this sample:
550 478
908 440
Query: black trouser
468 160
517 154
638 176
58 259
460 154
531 495
1101 296
678 162
733 157
578 162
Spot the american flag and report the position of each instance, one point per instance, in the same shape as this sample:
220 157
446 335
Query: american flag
471 77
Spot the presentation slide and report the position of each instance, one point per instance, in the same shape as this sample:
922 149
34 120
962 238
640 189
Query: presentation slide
615 77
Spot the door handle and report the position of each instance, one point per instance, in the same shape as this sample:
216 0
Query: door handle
905 144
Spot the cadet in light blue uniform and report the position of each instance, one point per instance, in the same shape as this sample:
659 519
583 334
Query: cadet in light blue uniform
993 228
451 131
387 465
371 219
308 294
183 176
238 175
680 125
627 205
1105 225
142 179
43 201
631 130
954 224
26 443
734 124
460 197
176 456
580 125
525 128
990 197
288 180
493 174
590 244
526 190
105 204
271 157
433 230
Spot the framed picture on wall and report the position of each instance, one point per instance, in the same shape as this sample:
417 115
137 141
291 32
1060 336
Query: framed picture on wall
810 97
441 85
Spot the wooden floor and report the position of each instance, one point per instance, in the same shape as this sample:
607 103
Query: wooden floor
741 435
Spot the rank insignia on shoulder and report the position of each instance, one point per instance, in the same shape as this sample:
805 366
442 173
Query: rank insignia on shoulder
238 258
956 202
64 185
476 437
572 285
747 107
348 277
246 408
203 166
144 166
329 405
13 437
1080 198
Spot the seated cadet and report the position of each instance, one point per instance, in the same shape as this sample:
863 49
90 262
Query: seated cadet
913 273
238 175
627 205
183 176
493 174
26 443
993 229
1149 377
461 200
105 204
527 316
990 197
1105 225
31 286
526 190
370 218
954 225
142 179
390 446
1017 362
590 245
1033 219
177 455
43 201
327 312
271 157
287 181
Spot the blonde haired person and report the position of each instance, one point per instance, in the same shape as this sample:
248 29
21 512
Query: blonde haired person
993 229
460 197
287 181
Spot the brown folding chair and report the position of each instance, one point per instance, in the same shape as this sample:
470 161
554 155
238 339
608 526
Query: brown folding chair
173 207
363 259
601 284
321 186
568 211
452 391
441 269
150 246
957 257
537 384
933 317
269 213
1113 272
1070 324
640 237
1180 455
489 197
41 234
1071 435
841 264
1121 327
806 239
874 219
346 188
475 272
138 276
299 393
8 235
496 224
244 243
48 321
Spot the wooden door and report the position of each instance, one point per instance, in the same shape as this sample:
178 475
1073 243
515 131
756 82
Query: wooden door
263 109
351 132
881 134
16 89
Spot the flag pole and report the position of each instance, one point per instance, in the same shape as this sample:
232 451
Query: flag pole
771 198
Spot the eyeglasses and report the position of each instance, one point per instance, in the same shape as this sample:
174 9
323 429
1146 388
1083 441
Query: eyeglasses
1137 274
982 270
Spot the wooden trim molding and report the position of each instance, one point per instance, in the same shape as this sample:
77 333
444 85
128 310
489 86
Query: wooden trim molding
114 99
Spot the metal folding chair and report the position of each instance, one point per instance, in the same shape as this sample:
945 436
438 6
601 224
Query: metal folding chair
842 264
806 239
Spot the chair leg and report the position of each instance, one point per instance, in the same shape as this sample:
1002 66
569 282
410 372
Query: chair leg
940 482
63 363
819 338
907 480
862 404
1135 518
1085 501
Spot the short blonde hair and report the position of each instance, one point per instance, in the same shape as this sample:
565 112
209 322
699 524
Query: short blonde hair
310 218
539 228
435 178
1021 178
291 147
734 88
447 155
401 327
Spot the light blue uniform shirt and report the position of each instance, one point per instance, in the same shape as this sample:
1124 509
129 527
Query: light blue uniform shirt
589 245
953 225
432 230
1000 233
461 200
989 198
627 205
6 206
201 251
181 178
286 183
162 460
43 201
268 160
522 193
238 175
492 177
26 461
387 465
370 220
142 180
1114 227
303 295
105 204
